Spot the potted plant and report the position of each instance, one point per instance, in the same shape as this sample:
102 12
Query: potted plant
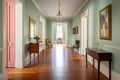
37 38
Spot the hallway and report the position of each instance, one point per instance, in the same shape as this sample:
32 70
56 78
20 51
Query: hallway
57 63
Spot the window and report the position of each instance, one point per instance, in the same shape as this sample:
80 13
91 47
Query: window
59 33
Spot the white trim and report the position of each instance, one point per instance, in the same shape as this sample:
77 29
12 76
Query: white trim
81 7
4 76
39 8
109 46
97 44
84 32
19 36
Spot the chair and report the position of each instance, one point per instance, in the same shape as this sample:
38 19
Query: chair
59 40
34 48
76 46
48 43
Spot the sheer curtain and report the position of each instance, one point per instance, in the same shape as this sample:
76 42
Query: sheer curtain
65 32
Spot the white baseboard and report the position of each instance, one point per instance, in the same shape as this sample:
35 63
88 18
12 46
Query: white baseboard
105 70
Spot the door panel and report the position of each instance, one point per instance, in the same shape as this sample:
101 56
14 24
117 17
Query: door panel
10 19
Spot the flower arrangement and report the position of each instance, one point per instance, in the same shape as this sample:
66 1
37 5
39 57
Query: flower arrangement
37 38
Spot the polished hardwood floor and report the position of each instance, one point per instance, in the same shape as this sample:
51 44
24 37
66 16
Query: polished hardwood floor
57 63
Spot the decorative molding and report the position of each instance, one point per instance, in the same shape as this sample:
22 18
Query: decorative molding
104 45
81 7
39 8
109 46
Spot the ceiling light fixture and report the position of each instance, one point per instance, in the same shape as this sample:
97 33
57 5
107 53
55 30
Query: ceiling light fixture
59 15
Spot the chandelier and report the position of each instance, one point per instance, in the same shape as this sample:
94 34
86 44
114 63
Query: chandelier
59 15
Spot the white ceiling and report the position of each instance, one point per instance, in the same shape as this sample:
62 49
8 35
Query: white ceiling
69 8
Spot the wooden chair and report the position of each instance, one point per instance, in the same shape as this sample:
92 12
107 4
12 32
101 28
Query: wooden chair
76 46
48 43
34 48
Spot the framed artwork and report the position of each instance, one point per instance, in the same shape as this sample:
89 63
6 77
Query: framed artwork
105 23
75 30
32 25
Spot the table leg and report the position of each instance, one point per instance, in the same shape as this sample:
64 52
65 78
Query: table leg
98 70
86 59
93 62
109 70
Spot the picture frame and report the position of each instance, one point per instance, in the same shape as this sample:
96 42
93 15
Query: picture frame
105 23
75 30
32 26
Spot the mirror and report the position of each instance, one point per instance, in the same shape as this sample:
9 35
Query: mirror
32 24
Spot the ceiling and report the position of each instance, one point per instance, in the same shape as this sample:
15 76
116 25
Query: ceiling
69 8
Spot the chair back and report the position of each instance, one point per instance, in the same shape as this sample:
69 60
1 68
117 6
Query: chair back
77 42
46 41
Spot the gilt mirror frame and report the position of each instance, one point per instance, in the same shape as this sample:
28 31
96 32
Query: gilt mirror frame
32 26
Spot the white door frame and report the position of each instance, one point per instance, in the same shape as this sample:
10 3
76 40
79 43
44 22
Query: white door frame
84 34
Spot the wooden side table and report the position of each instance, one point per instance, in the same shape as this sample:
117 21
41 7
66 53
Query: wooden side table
34 48
100 55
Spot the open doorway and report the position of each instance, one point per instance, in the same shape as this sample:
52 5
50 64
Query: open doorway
84 32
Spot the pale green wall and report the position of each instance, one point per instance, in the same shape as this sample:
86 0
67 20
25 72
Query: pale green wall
93 28
30 10
1 35
49 29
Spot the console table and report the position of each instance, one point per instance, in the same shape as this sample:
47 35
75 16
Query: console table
99 55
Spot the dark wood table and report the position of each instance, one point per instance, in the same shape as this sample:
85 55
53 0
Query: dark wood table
100 55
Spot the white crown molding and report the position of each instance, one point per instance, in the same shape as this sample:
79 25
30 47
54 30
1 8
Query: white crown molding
40 9
81 7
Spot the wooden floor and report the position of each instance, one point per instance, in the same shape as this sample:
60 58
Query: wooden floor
58 63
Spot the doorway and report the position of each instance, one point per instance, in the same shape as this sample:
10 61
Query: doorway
84 32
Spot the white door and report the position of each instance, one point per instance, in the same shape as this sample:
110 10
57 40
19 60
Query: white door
10 35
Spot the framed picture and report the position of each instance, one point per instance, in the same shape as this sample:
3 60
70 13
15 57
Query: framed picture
32 25
75 30
105 23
